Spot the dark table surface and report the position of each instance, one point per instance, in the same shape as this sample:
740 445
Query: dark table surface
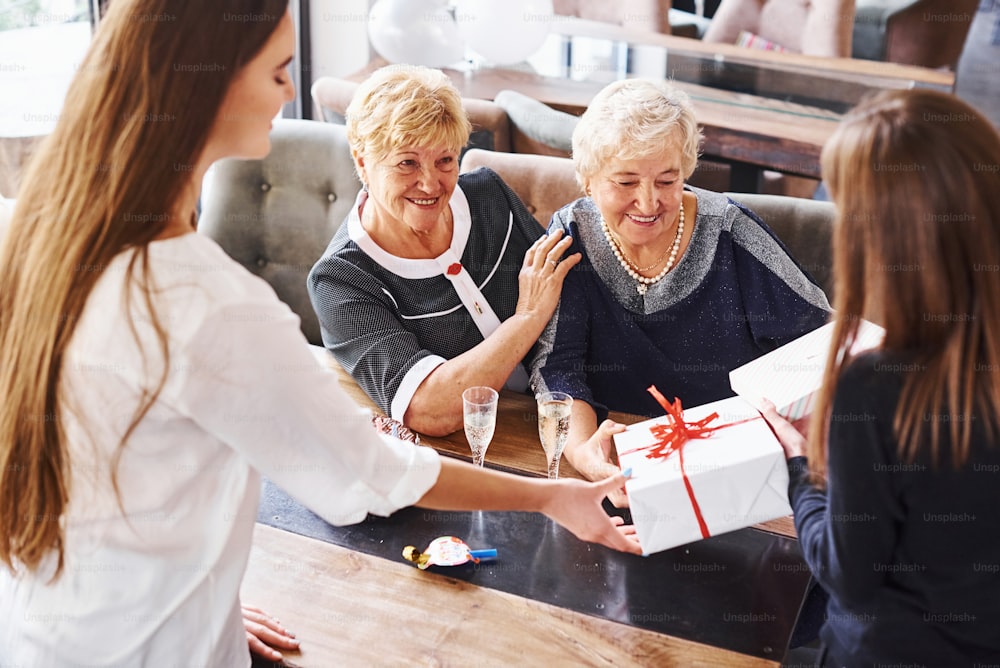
739 591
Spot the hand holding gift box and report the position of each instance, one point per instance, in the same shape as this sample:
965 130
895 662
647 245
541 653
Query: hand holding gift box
701 471
791 376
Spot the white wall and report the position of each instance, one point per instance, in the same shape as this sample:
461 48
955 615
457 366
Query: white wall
339 34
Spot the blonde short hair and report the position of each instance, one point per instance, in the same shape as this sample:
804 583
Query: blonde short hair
406 105
630 119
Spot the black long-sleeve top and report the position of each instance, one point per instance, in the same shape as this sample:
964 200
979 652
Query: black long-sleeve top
908 551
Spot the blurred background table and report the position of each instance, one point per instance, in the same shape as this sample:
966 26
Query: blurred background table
758 109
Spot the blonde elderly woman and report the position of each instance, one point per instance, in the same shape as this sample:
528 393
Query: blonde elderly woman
676 285
435 282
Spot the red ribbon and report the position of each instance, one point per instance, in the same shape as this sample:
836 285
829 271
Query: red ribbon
673 436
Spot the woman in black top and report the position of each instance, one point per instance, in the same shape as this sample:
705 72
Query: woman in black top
897 504
436 281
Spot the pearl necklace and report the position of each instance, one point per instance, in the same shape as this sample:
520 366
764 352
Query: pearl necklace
642 283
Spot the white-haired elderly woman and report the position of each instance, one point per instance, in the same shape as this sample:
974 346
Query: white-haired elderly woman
435 282
676 286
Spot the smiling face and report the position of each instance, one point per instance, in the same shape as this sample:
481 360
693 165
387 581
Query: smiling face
409 190
640 198
256 95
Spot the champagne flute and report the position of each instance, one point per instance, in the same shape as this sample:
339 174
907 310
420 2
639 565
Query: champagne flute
554 409
479 407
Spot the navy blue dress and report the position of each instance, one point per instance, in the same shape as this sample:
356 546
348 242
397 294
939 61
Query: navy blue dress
734 295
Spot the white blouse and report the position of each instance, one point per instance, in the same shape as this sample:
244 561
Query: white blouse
158 586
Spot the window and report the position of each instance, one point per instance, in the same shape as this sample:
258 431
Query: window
41 44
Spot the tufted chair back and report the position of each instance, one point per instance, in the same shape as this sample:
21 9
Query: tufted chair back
546 183
543 182
276 216
812 27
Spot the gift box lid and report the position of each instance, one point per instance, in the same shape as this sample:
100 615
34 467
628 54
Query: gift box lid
794 371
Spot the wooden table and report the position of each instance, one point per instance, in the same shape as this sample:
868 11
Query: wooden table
351 600
516 447
876 73
352 609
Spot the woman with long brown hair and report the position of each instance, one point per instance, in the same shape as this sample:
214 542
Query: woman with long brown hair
147 378
896 504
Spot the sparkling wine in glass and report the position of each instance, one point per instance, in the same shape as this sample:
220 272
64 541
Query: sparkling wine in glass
553 426
479 406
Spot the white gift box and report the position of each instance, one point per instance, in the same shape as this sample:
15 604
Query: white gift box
734 478
791 375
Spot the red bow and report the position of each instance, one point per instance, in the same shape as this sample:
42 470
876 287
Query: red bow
673 436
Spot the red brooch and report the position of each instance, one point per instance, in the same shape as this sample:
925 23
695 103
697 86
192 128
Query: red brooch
455 269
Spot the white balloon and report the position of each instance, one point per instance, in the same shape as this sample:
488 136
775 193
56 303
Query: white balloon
504 32
415 32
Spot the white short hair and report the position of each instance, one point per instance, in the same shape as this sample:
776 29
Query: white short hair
633 118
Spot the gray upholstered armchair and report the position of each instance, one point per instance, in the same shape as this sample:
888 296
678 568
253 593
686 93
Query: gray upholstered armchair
275 216
928 33
536 127
805 226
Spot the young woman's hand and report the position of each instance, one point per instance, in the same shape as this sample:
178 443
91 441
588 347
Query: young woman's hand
576 505
264 633
791 439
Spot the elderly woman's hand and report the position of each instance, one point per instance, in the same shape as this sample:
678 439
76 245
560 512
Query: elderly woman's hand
592 458
542 274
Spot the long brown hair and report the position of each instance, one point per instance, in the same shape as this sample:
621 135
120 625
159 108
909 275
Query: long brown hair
136 118
916 179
